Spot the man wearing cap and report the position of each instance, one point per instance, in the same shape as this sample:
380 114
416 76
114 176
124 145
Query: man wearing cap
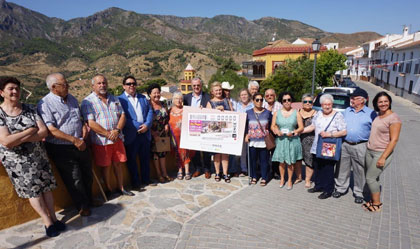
359 120
226 90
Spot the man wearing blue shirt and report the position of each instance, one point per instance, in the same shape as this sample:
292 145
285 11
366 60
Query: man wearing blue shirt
359 120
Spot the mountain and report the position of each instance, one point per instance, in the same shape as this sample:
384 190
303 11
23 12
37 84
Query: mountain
118 42
351 40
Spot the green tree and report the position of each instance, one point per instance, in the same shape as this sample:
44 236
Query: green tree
294 76
227 72
328 63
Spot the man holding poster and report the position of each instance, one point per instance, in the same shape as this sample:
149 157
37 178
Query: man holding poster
198 98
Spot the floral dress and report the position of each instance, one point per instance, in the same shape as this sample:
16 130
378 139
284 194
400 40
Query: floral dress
26 164
183 156
160 120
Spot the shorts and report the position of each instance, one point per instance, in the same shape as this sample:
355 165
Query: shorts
105 154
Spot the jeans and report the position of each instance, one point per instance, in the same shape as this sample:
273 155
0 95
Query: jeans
260 154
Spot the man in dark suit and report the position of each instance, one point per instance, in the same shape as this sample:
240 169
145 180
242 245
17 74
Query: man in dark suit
137 136
198 98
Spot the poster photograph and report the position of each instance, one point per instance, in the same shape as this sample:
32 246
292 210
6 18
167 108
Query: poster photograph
212 130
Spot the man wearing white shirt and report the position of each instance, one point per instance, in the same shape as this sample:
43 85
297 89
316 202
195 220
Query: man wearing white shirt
136 131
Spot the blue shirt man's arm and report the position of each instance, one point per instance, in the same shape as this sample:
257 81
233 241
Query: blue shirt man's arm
149 117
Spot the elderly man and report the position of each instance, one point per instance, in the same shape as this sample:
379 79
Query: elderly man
139 115
253 87
359 120
65 144
270 103
105 117
198 98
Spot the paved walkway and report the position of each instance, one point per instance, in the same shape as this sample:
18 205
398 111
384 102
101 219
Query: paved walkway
271 217
204 214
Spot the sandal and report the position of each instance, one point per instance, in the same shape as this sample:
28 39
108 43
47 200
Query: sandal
298 181
179 176
263 183
374 208
227 178
161 179
254 181
217 177
187 176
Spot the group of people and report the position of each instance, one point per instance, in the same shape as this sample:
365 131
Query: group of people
113 130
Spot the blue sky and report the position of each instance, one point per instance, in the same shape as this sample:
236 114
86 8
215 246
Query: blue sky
383 16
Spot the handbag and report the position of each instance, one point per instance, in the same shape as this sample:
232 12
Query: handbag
268 139
162 144
329 147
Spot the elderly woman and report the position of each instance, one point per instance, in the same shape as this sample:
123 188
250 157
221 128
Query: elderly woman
24 157
306 139
258 122
326 123
220 103
253 87
243 105
287 125
383 138
183 156
160 128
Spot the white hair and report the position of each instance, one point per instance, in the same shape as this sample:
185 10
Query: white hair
52 79
325 97
270 89
197 79
177 94
253 83
307 95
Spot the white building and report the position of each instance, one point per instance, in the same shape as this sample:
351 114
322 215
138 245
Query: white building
357 63
396 66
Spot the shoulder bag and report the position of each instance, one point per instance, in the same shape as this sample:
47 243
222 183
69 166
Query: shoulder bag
268 138
329 148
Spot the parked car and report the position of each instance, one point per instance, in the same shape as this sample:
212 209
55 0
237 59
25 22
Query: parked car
341 101
348 90
347 83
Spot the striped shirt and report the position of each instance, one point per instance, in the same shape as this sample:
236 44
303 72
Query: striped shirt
106 115
65 116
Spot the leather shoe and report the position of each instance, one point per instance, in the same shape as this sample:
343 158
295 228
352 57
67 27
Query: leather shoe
314 190
59 226
358 200
85 212
337 194
125 192
207 175
324 195
51 231
196 174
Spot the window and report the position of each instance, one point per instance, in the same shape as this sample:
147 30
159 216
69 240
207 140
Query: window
392 56
396 82
183 88
189 88
410 88
401 67
417 69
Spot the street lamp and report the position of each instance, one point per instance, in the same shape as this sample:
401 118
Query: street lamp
316 46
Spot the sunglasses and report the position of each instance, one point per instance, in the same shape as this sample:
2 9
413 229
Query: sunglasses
258 100
307 101
131 84
286 100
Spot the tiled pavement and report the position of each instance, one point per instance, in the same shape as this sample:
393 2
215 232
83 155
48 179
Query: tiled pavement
271 217
205 214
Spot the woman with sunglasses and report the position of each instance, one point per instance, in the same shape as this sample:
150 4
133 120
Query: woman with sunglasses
306 139
287 125
258 122
220 103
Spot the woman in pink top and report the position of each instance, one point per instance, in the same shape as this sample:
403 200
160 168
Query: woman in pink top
383 138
